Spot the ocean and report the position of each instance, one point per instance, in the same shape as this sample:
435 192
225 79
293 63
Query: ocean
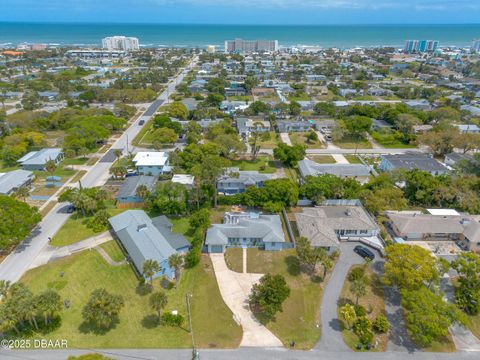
155 35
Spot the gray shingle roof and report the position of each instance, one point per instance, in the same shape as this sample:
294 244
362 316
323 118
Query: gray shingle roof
141 238
13 180
129 187
311 168
266 227
412 161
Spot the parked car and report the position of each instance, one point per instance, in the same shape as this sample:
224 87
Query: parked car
364 252
70 209
141 122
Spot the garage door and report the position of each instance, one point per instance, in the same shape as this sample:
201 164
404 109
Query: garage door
216 249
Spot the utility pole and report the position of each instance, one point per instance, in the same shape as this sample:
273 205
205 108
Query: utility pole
127 141
195 354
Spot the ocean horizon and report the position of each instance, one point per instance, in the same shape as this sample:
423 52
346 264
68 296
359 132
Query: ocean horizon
195 35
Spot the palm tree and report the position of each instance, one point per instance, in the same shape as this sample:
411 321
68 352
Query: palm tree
327 264
358 288
158 301
118 154
176 262
150 268
51 166
142 192
30 310
22 192
49 304
4 288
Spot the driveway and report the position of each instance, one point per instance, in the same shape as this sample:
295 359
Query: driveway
235 289
332 339
285 139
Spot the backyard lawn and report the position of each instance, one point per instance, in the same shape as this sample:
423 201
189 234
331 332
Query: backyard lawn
373 302
265 141
86 271
262 164
389 139
299 138
113 250
300 318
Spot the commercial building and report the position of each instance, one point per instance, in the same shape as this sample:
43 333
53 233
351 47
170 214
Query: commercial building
421 46
246 229
148 239
121 43
248 46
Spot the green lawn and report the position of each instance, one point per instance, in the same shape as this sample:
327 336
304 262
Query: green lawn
350 143
85 271
263 164
353 159
181 226
234 259
113 250
322 159
75 161
268 142
75 229
390 139
301 311
299 138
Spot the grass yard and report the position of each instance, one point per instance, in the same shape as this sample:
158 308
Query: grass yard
75 161
75 229
389 139
269 141
181 226
47 208
350 143
373 302
353 159
262 164
292 174
113 250
216 215
213 324
300 318
6 168
299 138
322 159
234 259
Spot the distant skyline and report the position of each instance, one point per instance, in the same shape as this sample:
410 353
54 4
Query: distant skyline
259 12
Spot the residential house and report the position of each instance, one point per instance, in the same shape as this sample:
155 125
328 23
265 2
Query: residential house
36 160
337 220
245 126
463 229
13 180
148 239
151 162
263 91
360 172
411 161
127 197
243 229
453 159
468 129
236 181
285 126
419 104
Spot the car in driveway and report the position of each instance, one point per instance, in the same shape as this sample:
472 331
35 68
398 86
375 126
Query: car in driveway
364 252
141 122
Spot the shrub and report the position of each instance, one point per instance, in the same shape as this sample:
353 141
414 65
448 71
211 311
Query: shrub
170 319
356 273
363 329
381 325
193 257
360 311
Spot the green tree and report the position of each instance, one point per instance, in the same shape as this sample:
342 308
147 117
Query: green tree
409 266
150 268
289 155
200 219
175 261
308 255
49 304
269 294
102 308
163 136
428 316
358 288
381 324
51 166
467 293
22 192
363 329
158 300
348 315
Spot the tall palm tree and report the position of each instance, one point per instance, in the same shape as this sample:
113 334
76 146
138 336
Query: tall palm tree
22 192
158 301
49 304
176 262
150 268
358 288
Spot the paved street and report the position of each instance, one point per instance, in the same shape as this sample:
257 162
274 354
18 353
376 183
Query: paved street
20 260
235 354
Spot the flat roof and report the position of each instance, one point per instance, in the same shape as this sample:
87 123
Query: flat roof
443 212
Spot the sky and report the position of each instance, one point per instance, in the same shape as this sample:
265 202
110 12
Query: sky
281 12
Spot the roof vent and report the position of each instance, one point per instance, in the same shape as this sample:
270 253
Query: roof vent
348 212
141 227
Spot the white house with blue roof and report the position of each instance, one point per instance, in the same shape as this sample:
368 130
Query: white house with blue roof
148 239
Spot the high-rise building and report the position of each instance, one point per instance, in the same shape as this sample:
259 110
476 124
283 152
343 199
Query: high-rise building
247 46
420 46
120 43
476 46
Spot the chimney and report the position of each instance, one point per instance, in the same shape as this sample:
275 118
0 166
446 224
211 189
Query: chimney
141 227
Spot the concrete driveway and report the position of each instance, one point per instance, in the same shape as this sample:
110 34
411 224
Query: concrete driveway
285 139
235 289
332 339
